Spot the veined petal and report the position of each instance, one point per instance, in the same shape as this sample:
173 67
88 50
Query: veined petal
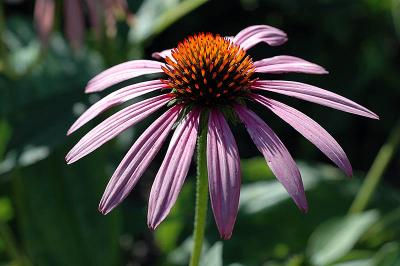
223 165
285 63
137 160
253 35
114 125
313 94
311 130
173 171
115 98
122 72
276 155
162 55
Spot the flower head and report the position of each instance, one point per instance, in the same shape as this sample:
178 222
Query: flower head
208 70
208 73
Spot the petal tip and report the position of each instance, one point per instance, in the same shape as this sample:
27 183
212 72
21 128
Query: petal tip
303 206
281 41
225 236
324 71
375 116
89 87
88 90
103 209
156 55
68 159
349 173
151 226
71 130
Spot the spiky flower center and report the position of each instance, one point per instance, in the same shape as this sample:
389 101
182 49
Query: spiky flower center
208 69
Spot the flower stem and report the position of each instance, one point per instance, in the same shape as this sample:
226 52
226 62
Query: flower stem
376 171
201 196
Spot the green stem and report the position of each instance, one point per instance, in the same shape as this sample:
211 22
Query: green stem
11 247
376 171
201 196
6 235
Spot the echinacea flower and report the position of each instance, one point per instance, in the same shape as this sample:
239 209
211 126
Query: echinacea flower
74 23
207 73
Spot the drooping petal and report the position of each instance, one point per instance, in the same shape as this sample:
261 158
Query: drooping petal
285 63
122 72
313 94
115 98
94 7
162 54
276 155
253 35
223 165
44 18
114 125
74 22
137 160
311 130
173 170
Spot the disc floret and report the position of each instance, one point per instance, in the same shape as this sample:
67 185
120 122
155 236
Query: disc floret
207 69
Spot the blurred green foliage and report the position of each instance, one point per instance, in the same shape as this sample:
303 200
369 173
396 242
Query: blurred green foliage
48 210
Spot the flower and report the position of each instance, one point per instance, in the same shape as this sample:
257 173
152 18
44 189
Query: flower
74 18
207 72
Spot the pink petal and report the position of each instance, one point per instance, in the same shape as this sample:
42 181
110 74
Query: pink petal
310 130
115 98
74 22
44 18
223 165
122 72
173 171
276 155
253 35
285 63
162 54
137 160
114 125
313 94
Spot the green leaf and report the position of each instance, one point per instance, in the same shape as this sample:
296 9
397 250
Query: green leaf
154 16
6 210
213 256
385 229
168 231
5 134
364 262
181 255
334 238
258 196
388 255
255 169
57 213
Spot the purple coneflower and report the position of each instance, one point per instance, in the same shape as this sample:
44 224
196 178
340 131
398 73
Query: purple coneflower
74 21
213 75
